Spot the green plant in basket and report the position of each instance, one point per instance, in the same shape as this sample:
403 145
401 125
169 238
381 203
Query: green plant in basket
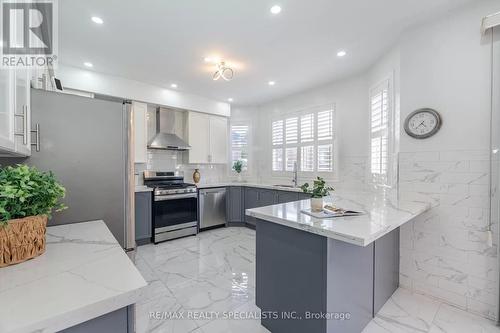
26 191
319 189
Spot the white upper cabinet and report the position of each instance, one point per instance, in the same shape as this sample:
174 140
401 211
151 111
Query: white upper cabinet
207 137
199 137
15 113
7 141
140 132
218 140
22 113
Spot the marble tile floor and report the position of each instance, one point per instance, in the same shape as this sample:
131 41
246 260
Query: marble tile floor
195 279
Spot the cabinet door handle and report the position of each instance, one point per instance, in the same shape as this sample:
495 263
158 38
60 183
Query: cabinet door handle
37 137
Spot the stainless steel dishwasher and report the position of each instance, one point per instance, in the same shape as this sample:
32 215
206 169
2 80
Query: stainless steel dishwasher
212 207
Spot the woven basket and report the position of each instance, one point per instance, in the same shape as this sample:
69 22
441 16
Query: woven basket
22 239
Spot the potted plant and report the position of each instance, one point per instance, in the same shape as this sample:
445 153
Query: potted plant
27 199
238 167
318 192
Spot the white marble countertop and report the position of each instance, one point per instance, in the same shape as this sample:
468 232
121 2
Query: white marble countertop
382 215
143 188
83 274
250 184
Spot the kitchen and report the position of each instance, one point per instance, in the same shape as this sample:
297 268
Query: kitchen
285 175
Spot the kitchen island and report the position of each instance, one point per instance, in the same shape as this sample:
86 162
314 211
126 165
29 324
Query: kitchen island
84 282
328 275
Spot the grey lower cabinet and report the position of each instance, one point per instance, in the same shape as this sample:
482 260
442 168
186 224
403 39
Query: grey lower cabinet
143 217
240 198
251 195
284 197
235 209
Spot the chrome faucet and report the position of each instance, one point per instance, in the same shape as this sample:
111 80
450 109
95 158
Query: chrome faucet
295 175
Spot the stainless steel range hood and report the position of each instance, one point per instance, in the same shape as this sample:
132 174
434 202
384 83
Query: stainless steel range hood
167 121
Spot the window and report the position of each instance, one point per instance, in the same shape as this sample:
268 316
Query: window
380 123
240 144
305 140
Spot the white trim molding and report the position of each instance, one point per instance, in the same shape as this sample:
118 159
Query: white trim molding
489 22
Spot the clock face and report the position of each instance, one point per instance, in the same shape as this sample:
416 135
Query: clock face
422 123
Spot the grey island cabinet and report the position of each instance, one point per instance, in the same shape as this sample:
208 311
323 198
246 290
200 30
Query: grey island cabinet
328 275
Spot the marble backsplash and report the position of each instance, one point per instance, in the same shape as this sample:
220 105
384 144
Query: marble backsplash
168 160
445 253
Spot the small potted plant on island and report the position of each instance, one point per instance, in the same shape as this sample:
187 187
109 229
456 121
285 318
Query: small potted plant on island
27 199
318 192
238 167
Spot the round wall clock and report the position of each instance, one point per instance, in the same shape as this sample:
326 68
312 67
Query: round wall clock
423 123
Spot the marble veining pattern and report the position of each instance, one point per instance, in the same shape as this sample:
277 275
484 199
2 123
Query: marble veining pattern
215 271
83 274
382 214
444 252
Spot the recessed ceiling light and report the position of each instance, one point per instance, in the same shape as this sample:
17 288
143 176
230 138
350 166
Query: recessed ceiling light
207 59
271 83
173 85
88 64
230 100
97 20
275 9
341 53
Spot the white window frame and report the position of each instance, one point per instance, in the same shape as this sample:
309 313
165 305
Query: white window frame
389 180
329 175
248 149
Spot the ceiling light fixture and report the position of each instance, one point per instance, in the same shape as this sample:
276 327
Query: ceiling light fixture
97 20
88 64
173 85
229 100
341 53
223 71
271 83
275 9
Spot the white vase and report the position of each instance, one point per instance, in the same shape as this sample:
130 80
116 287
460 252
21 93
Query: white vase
316 204
239 177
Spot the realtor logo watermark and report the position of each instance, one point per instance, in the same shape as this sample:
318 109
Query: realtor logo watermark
29 33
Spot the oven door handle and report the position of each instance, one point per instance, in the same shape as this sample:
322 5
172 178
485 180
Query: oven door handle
175 196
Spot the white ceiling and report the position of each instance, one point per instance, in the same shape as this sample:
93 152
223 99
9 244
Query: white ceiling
165 41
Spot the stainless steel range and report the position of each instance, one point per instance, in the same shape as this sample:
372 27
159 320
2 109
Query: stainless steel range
175 205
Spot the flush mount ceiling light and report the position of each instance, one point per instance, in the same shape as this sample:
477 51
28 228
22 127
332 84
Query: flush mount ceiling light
173 85
97 20
223 71
88 64
275 9
341 53
271 83
230 100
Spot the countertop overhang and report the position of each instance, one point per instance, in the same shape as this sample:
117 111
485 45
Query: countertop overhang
83 274
382 214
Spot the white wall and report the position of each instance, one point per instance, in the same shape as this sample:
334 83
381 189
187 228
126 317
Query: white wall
79 79
446 65
351 125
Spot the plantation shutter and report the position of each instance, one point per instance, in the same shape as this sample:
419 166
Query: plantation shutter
240 144
379 131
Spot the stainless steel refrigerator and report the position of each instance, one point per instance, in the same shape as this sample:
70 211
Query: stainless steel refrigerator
87 143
